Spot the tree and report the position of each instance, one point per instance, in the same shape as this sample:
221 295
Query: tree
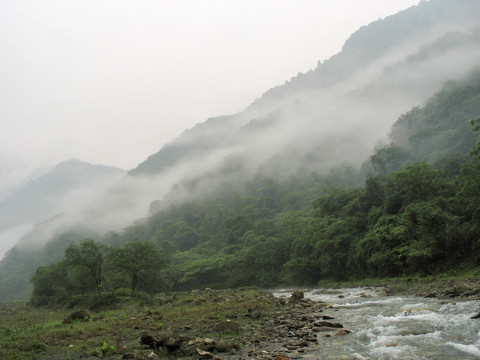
138 259
89 257
476 149
390 158
50 284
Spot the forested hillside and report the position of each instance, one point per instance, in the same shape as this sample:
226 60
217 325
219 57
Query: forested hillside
276 194
416 213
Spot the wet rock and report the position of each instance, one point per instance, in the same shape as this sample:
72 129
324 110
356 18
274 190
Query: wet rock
227 326
296 297
476 316
254 313
148 340
170 342
225 346
324 329
204 354
471 292
321 323
450 293
326 317
173 343
342 332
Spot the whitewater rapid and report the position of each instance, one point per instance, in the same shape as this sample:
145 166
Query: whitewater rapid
396 327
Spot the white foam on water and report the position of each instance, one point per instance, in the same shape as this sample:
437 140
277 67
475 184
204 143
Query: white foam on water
469 349
392 351
400 327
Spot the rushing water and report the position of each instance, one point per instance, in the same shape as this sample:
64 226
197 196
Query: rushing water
393 327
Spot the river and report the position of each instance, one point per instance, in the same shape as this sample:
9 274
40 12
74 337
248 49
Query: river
396 327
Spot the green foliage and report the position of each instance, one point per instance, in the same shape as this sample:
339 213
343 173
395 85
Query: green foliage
37 345
105 350
390 158
88 258
418 213
139 260
476 149
71 281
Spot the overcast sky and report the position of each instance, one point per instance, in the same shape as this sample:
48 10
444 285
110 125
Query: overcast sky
110 82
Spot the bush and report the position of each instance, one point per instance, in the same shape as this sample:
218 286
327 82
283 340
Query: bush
124 292
37 345
94 302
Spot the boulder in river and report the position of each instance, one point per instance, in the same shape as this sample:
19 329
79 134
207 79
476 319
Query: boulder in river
322 323
296 297
476 316
342 332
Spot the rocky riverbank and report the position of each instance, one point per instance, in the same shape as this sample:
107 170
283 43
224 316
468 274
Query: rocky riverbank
208 324
437 288
285 329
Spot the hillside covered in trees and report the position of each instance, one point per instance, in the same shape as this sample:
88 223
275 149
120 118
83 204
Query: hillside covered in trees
304 184
417 213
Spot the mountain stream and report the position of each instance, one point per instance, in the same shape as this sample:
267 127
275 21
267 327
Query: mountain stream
396 327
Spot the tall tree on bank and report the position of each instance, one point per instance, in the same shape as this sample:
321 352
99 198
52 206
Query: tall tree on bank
88 257
138 260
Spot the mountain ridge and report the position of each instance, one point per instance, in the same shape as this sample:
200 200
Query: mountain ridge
295 129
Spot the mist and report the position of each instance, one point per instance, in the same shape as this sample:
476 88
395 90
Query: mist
339 124
333 114
110 82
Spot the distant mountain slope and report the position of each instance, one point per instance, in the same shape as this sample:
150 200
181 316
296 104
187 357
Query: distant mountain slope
70 185
334 114
355 96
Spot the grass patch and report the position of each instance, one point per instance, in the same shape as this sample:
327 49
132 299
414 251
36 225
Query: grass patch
40 333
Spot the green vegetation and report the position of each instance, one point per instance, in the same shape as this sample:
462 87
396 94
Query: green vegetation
116 330
417 213
89 268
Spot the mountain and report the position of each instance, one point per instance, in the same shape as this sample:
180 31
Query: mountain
416 214
69 185
327 119
352 98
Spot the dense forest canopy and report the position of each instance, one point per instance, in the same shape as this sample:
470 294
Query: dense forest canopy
302 185
417 212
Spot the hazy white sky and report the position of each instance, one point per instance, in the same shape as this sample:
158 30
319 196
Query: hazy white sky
111 82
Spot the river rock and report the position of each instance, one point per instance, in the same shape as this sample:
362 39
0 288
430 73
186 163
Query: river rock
227 326
296 297
254 312
225 346
168 341
204 354
324 329
173 343
342 332
476 316
148 340
321 323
